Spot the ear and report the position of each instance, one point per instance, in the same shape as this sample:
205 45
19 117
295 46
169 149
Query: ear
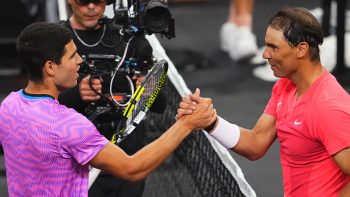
49 68
302 49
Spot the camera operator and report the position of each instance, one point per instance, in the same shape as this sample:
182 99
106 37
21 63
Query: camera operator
95 34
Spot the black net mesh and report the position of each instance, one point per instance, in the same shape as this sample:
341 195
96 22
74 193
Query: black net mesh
195 168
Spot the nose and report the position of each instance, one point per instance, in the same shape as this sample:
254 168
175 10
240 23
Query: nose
266 54
91 5
79 61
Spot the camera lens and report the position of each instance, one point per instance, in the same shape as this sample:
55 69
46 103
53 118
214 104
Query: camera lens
157 16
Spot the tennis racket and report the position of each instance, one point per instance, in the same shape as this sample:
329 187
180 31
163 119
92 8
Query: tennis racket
140 103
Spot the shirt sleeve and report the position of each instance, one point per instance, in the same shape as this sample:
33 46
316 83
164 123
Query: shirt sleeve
334 128
272 103
79 139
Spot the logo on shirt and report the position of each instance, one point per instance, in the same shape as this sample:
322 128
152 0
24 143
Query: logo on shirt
278 105
296 122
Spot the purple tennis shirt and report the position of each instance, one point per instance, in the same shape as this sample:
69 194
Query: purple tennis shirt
47 146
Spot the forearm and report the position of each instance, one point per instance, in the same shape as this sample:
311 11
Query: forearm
345 191
342 160
233 137
112 159
151 156
142 163
252 145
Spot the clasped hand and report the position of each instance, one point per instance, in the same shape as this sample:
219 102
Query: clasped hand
198 111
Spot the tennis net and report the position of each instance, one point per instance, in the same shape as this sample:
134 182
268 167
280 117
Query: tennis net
200 166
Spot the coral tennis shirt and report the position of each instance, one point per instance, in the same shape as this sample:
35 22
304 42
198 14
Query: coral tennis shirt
310 130
47 146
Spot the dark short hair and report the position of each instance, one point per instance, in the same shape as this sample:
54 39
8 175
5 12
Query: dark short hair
40 42
299 25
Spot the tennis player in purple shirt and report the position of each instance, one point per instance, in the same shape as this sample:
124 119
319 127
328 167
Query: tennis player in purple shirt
48 146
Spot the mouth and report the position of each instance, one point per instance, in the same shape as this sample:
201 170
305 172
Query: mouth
272 64
91 17
91 13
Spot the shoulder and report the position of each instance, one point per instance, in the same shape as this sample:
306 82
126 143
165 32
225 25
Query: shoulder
283 82
13 103
64 23
69 114
330 103
111 25
9 98
283 86
7 107
330 94
70 123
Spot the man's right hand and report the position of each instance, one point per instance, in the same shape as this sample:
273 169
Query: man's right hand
188 104
86 93
201 112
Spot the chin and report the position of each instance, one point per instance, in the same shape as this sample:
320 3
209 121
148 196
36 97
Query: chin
91 24
75 84
69 86
276 74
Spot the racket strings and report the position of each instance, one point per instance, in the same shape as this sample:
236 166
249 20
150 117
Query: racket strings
150 85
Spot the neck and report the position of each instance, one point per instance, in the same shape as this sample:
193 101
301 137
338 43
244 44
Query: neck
72 22
306 76
41 88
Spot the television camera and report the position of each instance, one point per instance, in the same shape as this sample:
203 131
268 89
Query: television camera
137 19
144 17
116 76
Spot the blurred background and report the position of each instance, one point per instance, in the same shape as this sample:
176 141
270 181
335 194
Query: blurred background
238 94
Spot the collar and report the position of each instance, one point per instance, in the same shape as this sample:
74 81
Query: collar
36 96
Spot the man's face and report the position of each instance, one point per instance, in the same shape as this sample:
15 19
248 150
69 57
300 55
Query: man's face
87 13
66 73
279 53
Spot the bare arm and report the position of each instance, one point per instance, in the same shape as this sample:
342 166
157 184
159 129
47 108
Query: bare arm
342 158
113 160
252 144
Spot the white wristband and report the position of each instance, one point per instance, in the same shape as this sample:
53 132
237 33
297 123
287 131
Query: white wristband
226 133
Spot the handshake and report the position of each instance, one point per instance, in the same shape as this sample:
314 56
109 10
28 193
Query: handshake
197 112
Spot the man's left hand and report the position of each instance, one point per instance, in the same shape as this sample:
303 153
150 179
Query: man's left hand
138 79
